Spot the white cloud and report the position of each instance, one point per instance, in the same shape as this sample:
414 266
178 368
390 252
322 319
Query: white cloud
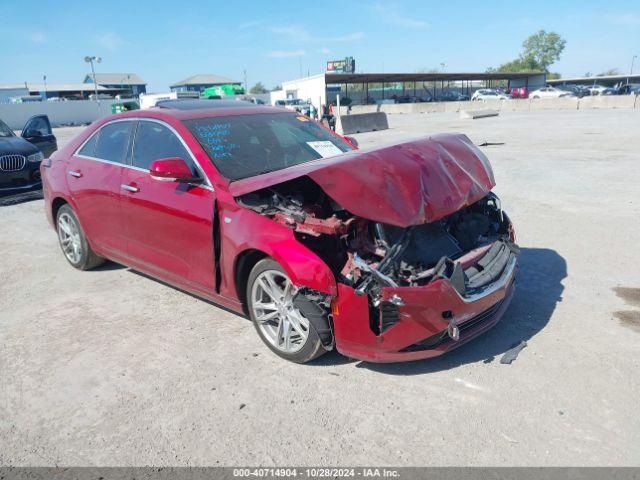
297 33
110 41
250 24
624 19
285 53
391 14
37 37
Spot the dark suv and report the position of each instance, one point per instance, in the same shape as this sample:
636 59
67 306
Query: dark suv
20 157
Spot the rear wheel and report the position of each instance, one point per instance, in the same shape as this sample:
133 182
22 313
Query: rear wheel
74 242
279 323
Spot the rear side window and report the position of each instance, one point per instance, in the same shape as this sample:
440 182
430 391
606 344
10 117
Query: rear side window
89 148
154 142
113 141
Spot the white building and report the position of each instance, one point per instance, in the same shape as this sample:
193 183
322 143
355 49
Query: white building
309 88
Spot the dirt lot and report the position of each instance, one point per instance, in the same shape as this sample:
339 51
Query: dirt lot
112 368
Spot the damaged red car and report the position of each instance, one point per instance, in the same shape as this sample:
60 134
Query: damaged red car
388 254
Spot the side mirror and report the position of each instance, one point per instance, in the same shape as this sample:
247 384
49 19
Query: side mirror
352 141
172 170
31 132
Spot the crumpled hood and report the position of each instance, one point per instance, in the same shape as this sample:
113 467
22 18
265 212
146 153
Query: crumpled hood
405 184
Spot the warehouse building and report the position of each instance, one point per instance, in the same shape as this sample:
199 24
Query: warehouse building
26 92
124 82
198 83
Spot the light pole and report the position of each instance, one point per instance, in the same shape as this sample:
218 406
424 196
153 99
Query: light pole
44 79
443 66
633 60
93 72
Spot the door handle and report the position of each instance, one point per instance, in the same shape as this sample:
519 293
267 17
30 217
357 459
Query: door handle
75 173
129 188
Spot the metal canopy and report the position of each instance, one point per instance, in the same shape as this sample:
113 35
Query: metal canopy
346 78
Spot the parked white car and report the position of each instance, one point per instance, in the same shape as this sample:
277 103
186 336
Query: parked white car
549 92
485 94
596 89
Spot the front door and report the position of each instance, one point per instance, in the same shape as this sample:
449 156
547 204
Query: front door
38 131
94 177
169 225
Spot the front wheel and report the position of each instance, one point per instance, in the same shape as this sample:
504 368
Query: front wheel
74 242
281 326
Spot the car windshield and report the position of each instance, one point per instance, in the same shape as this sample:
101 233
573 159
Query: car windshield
242 146
5 131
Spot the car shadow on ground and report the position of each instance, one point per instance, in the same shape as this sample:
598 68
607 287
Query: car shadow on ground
192 295
16 198
538 290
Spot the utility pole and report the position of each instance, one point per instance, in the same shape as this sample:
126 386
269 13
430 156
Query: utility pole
93 72
44 78
633 60
246 87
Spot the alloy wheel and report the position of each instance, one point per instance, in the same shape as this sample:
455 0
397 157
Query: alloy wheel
69 235
280 322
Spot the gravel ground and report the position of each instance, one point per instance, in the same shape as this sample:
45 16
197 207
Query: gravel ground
112 368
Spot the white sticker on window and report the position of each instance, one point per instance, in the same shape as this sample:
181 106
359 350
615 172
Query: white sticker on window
325 148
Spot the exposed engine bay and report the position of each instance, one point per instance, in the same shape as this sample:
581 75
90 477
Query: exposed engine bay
368 255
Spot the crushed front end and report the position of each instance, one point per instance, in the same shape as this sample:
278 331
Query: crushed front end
404 293
423 255
416 292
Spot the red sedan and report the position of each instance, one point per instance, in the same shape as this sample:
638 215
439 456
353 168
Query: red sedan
390 254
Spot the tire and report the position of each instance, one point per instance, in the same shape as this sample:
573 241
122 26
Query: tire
73 241
281 322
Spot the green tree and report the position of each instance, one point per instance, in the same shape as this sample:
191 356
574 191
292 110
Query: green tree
610 72
539 52
544 48
258 88
521 64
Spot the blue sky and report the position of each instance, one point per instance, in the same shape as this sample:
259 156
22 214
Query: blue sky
273 41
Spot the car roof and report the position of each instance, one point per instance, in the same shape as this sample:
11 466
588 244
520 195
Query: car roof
199 104
202 109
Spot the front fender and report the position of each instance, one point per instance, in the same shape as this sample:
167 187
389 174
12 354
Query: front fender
243 230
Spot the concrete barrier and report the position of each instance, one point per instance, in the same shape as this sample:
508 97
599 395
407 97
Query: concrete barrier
363 109
72 112
476 105
511 105
397 108
564 103
429 107
516 105
473 114
609 101
361 122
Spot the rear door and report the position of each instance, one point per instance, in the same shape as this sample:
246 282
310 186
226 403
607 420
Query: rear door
38 131
169 225
94 178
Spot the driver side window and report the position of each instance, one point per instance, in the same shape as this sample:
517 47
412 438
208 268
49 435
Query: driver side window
154 141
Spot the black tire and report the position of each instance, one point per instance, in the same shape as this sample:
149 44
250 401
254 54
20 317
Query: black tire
311 349
87 259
